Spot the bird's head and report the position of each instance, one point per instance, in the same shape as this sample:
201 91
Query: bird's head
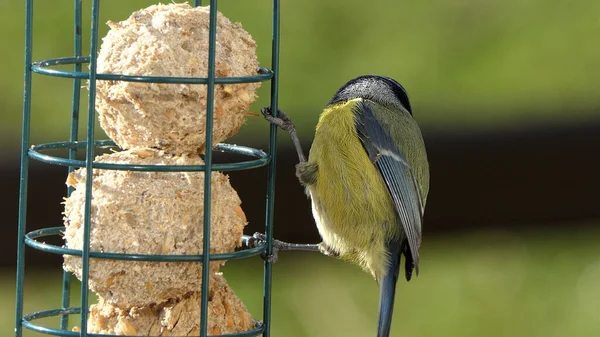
379 89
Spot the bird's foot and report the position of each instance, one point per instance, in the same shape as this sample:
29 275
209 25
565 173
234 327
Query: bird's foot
260 239
283 121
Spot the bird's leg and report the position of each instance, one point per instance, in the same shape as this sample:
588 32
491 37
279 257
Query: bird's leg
285 123
258 239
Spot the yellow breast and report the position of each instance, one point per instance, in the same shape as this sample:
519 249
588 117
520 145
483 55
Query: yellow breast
351 203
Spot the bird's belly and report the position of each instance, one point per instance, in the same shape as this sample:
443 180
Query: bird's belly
351 218
359 239
326 230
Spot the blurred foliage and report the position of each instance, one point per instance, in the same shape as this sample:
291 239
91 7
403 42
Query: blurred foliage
466 64
493 284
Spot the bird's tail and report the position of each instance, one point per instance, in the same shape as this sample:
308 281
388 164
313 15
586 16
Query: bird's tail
388 291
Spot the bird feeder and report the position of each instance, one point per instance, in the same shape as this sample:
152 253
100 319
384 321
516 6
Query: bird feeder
148 225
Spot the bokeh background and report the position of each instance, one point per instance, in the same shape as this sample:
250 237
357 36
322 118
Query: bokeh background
506 93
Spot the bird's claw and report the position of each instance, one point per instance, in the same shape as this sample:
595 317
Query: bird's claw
258 239
283 121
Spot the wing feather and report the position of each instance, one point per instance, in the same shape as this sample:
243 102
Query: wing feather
396 172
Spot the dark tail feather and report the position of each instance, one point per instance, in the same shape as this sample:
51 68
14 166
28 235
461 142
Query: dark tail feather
409 263
388 291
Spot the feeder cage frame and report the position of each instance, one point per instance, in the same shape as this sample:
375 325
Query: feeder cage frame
40 153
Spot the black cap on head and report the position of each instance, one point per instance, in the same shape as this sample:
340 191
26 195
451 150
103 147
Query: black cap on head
380 89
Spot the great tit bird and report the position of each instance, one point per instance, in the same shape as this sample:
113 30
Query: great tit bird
368 177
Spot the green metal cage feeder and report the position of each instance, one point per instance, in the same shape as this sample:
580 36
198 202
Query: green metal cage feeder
34 239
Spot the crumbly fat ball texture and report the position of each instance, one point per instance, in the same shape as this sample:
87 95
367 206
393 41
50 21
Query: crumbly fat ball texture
172 40
149 213
226 315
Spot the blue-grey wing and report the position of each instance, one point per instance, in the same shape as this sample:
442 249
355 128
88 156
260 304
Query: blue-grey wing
397 174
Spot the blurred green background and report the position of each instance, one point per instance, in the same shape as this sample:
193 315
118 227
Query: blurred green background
465 64
470 67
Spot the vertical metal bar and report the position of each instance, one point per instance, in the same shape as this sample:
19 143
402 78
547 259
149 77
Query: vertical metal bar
89 158
271 170
25 136
210 102
73 136
197 3
74 133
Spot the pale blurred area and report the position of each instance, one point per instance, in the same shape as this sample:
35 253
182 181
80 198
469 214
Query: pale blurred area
507 96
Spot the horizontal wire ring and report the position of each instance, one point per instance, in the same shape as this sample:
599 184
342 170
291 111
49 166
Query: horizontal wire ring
35 152
42 67
26 322
30 240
